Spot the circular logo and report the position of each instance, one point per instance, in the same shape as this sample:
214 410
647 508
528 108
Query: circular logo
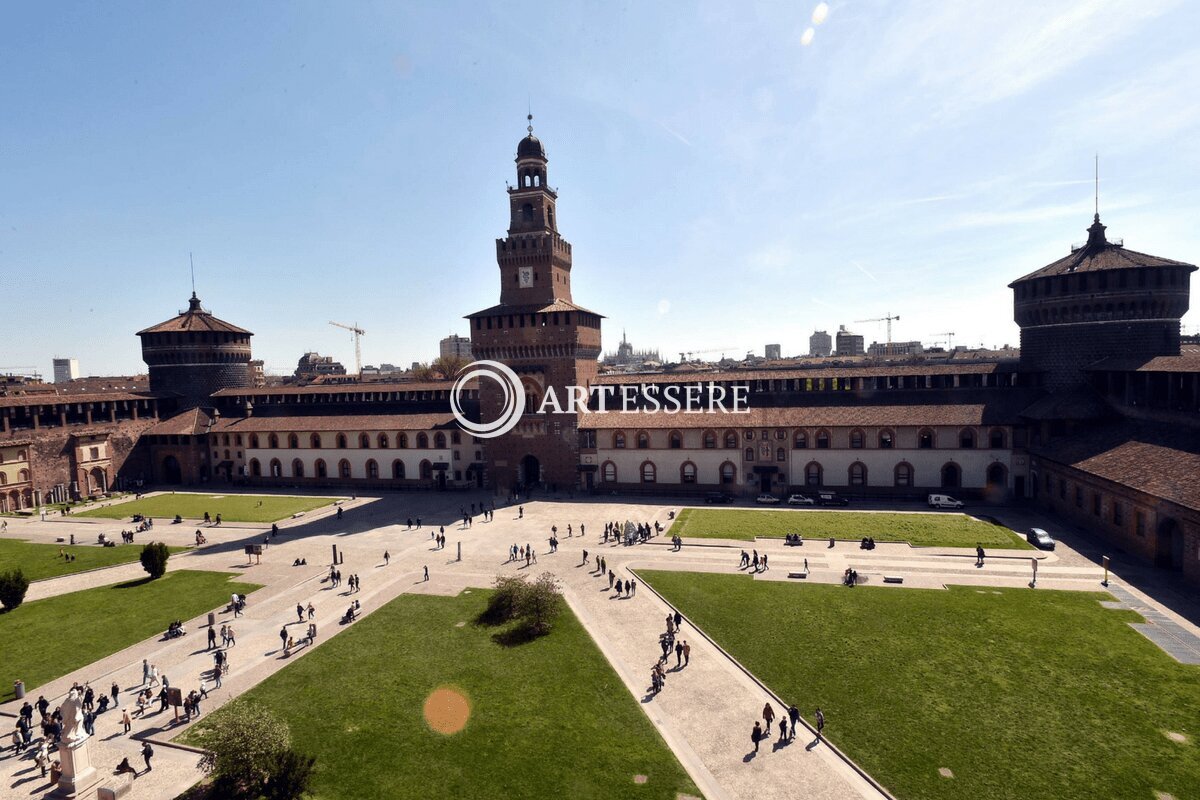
511 409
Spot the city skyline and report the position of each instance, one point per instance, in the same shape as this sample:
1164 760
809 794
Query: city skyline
904 159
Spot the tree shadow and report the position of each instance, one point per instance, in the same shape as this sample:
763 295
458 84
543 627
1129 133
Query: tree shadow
516 636
133 584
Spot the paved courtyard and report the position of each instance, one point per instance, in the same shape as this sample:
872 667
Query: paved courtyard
704 713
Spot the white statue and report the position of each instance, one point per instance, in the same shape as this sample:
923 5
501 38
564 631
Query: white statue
72 717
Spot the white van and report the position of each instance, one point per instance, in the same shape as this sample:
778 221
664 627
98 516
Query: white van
944 501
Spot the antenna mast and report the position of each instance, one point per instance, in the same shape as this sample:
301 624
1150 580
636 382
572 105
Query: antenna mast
192 265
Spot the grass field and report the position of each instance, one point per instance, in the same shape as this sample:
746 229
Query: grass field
1021 694
929 530
46 639
40 561
232 507
548 718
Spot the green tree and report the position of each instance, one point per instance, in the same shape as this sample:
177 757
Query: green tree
539 604
154 559
505 601
291 775
448 366
245 748
13 585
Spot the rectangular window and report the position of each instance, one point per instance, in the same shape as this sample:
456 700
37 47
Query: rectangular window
1139 521
1079 497
1096 503
1118 514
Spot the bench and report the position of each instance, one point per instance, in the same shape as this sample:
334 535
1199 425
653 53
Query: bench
114 787
893 579
801 575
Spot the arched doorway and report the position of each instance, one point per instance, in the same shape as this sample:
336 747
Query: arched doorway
171 471
951 476
531 471
1169 553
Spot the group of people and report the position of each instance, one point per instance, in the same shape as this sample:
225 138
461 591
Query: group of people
526 554
755 562
788 725
668 643
867 543
208 520
175 629
439 538
793 540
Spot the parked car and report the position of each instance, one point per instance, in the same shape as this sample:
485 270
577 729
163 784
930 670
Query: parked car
944 501
767 500
831 499
800 500
717 497
1039 539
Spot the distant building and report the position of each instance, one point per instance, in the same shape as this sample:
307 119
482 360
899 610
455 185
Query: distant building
626 356
257 376
772 352
886 349
455 346
849 344
312 365
820 344
66 369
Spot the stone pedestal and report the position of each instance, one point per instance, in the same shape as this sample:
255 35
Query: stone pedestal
78 774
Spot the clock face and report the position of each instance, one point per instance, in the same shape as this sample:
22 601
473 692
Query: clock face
525 276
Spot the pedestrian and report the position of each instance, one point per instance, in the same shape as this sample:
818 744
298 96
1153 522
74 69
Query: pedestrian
299 613
794 716
764 562
612 576
678 620
633 591
145 674
312 612
426 573
805 572
126 722
387 558
212 638
147 754
585 556
820 722
232 641
114 690
678 655
979 555
768 714
520 512
687 653
756 735
283 636
1033 583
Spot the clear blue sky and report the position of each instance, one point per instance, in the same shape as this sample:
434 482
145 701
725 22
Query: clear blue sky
727 180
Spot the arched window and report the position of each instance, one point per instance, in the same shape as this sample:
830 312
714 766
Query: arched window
648 472
608 472
344 469
364 441
619 440
226 455
273 441
997 476
813 474
710 440
23 476
254 441
800 440
3 479
422 441
439 440
372 469
728 473
925 439
22 455
397 469
886 439
780 454
643 440
225 440
314 441
383 441
255 468
276 468
687 472
996 438
966 439
341 441
293 441
856 439
951 476
297 468
858 474
903 474
749 454
426 470
402 441
320 469
731 440
675 439
822 439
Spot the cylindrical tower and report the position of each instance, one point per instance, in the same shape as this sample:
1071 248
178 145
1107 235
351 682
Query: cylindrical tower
195 354
1100 301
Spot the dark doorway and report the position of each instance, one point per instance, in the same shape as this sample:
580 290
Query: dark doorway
1169 554
171 472
951 476
764 483
531 471
589 480
1019 486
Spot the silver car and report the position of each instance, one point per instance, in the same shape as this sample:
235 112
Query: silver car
1039 539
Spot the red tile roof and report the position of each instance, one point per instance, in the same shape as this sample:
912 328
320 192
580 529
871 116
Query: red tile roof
47 399
341 422
344 388
746 375
1185 362
829 416
188 423
532 308
195 319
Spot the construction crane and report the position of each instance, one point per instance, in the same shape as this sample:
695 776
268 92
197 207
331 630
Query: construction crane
687 355
31 372
888 319
949 339
357 331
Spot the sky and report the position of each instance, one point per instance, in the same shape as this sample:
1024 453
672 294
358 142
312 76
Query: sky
729 174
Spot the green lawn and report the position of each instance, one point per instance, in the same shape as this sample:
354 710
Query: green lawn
46 639
232 507
548 718
39 561
1022 694
929 530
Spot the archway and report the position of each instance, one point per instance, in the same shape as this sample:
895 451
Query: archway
531 471
99 484
171 471
951 476
1169 551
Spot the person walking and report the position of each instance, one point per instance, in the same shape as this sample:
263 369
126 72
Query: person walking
979 555
678 655
232 641
145 673
387 558
678 620
820 722
768 714
756 735
147 754
283 636
312 612
426 573
212 638
126 722
114 690
794 716
299 612
1033 583
687 653
783 729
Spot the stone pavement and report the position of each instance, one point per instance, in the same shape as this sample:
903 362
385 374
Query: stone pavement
705 712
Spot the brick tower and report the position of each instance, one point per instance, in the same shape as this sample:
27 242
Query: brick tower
195 354
1100 301
537 331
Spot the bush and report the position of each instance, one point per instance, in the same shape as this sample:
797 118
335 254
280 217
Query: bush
154 559
13 585
244 748
503 604
538 604
291 775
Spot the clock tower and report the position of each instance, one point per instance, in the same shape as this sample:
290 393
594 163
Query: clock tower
538 332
